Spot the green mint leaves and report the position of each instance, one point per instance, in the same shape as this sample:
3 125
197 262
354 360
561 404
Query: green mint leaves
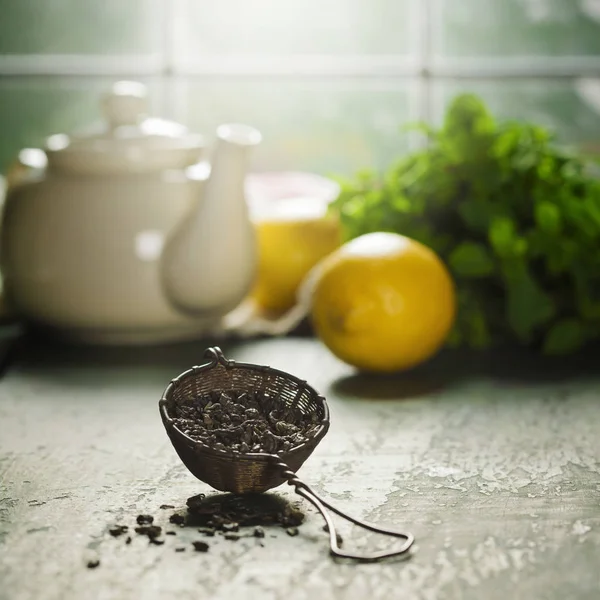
515 217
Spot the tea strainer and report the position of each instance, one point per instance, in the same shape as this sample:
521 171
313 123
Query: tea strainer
230 471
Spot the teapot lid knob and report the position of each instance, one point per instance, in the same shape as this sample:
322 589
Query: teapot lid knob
126 103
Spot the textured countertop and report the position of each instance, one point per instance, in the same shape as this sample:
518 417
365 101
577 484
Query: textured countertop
494 468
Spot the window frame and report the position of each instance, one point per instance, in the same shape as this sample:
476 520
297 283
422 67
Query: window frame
423 68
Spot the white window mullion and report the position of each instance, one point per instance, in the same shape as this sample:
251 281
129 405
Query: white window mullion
423 24
392 66
167 31
306 65
81 64
525 66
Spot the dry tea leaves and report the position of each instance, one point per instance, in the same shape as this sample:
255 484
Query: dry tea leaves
244 422
234 517
118 530
152 531
291 516
166 506
145 519
200 546
228 512
156 541
177 519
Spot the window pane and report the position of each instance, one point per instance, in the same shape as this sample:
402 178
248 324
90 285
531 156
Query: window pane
275 27
517 27
33 108
325 127
571 108
80 26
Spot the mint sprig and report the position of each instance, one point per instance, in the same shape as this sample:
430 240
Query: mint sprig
515 216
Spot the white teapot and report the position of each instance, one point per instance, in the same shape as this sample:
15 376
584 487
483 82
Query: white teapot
128 236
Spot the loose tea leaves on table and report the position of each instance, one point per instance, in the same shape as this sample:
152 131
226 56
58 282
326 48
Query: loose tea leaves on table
200 546
244 422
145 519
118 530
226 517
152 531
177 519
228 513
156 541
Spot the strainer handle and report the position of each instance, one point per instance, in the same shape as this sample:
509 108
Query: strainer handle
216 356
321 505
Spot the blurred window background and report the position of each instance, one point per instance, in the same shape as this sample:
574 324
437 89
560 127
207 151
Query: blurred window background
329 83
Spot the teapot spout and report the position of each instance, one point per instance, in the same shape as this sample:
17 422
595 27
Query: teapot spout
209 262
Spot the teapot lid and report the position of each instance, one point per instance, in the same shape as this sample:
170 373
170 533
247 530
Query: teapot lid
128 141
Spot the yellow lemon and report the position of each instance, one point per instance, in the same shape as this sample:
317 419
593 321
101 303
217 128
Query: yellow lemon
382 302
293 236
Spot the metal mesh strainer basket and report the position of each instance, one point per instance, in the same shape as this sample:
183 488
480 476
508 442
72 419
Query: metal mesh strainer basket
229 471
242 473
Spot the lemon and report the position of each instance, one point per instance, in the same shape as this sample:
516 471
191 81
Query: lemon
382 302
293 236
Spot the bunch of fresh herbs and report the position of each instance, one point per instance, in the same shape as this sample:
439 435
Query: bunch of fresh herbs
515 217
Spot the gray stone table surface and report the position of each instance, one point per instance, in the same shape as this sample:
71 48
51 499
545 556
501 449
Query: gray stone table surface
497 473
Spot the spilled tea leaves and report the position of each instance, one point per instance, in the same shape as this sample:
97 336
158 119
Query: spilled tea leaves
231 517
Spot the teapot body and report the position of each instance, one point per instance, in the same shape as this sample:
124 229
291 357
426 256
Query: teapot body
81 254
125 234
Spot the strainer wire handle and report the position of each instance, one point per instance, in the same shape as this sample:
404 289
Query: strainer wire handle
216 356
321 505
